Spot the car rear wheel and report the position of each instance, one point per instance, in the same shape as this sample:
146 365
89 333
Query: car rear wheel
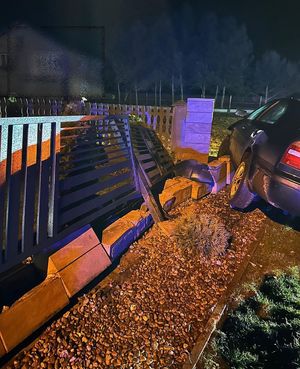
240 194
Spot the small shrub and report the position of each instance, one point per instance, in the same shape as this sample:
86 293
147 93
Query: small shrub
203 233
135 119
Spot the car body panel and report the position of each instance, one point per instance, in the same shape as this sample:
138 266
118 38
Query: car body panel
266 143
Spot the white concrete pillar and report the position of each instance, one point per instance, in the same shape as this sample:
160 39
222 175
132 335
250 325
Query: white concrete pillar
191 131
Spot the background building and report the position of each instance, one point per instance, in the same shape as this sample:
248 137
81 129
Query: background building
52 61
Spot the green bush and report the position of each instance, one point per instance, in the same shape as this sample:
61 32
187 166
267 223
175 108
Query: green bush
203 233
264 331
135 119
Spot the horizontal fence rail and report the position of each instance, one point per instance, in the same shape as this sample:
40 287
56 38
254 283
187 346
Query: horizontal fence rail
57 177
159 118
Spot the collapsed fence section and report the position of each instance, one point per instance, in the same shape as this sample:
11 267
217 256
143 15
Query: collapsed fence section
57 177
153 159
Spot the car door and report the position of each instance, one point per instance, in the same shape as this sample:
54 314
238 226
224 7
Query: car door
245 131
271 135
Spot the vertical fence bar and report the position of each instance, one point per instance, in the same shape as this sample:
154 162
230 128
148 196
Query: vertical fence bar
223 97
24 185
229 104
53 191
39 179
45 176
29 209
2 196
13 199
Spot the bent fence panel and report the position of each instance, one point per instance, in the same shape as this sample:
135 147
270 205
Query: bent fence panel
153 159
57 177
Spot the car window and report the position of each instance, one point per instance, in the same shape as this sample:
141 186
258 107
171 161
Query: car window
259 111
273 114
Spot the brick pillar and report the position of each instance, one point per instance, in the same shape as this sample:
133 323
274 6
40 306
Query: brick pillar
191 131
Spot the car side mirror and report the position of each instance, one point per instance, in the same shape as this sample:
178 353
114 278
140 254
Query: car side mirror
241 113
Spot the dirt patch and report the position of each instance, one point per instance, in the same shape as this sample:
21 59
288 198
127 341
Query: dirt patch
152 316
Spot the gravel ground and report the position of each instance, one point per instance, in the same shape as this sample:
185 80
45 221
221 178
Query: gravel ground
151 315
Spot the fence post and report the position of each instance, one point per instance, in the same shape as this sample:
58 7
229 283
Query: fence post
266 94
223 97
159 92
203 91
181 88
119 94
229 104
216 95
172 90
260 101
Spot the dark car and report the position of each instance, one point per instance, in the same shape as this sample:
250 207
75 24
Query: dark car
265 149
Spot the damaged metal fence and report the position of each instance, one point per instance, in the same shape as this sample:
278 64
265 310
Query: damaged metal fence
57 177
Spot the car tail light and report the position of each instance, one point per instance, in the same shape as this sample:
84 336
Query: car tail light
292 155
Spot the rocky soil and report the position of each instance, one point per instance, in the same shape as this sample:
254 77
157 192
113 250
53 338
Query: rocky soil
151 314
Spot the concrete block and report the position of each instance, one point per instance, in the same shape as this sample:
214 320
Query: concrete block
198 127
72 251
137 218
218 170
200 105
148 220
32 310
189 153
199 117
230 168
117 237
200 189
171 182
134 216
197 138
182 191
84 269
218 186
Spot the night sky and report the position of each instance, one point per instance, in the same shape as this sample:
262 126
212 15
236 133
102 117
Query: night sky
271 24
